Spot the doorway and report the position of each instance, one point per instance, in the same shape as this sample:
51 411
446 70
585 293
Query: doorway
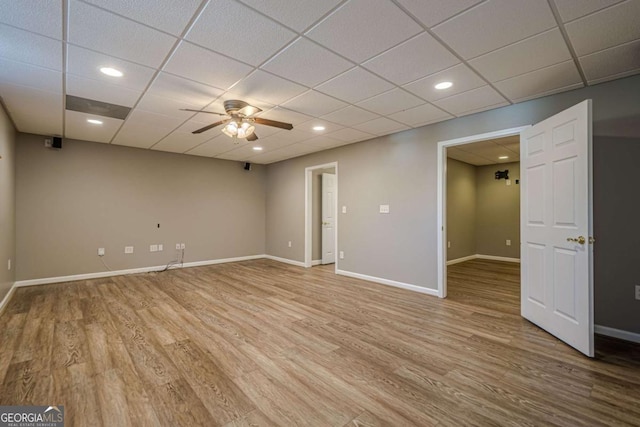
321 222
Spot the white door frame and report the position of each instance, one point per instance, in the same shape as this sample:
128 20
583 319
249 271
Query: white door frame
308 211
442 195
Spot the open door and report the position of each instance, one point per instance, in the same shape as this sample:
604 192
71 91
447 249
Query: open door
556 226
328 218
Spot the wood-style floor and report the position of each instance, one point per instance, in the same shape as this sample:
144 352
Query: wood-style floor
264 343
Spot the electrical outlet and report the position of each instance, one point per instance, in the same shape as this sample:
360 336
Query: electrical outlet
289 244
344 209
638 292
508 242
178 246
153 248
128 249
341 254
508 182
160 247
384 209
182 246
100 251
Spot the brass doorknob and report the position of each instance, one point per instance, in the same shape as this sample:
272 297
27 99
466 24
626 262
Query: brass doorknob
580 239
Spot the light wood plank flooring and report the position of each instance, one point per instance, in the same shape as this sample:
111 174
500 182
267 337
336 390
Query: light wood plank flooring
264 343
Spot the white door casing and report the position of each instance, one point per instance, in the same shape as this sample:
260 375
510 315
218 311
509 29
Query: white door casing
556 226
328 218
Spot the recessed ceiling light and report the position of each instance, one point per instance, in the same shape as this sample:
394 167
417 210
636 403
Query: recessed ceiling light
257 148
503 157
94 121
111 72
318 128
443 85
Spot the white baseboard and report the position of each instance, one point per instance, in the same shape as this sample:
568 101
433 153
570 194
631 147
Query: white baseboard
463 259
285 260
388 282
480 256
316 262
617 333
101 274
7 298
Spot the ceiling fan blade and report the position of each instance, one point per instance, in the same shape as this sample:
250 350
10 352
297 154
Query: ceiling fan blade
267 122
252 137
202 111
206 128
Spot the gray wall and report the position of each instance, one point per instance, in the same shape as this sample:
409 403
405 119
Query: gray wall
401 169
316 213
498 211
461 209
617 231
7 203
90 195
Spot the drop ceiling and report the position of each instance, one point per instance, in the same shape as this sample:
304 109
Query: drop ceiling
360 68
489 152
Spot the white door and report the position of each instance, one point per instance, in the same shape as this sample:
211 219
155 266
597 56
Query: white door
328 218
556 226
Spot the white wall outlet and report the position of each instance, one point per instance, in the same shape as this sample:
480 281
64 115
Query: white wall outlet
289 243
344 209
128 249
160 247
508 182
384 209
100 251
182 245
9 264
637 291
341 254
48 142
178 246
153 248
508 242
448 244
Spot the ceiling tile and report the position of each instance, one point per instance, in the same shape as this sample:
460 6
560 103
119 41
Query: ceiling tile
391 102
323 142
166 15
107 33
25 103
202 65
432 12
268 88
239 32
380 126
610 63
471 101
168 107
307 63
350 135
77 127
350 116
100 91
573 9
278 140
541 82
421 115
42 17
23 46
187 91
466 157
355 85
215 146
607 28
298 17
495 24
182 140
461 76
314 104
242 153
309 125
284 115
363 28
536 52
418 57
143 129
18 73
87 63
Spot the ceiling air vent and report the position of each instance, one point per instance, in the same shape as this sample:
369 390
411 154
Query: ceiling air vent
98 108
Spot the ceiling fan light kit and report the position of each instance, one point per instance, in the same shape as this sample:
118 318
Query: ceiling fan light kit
240 121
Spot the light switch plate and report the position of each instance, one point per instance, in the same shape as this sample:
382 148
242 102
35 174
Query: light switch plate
384 209
344 209
128 249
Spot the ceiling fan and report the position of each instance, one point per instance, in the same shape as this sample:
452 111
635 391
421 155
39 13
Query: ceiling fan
240 121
